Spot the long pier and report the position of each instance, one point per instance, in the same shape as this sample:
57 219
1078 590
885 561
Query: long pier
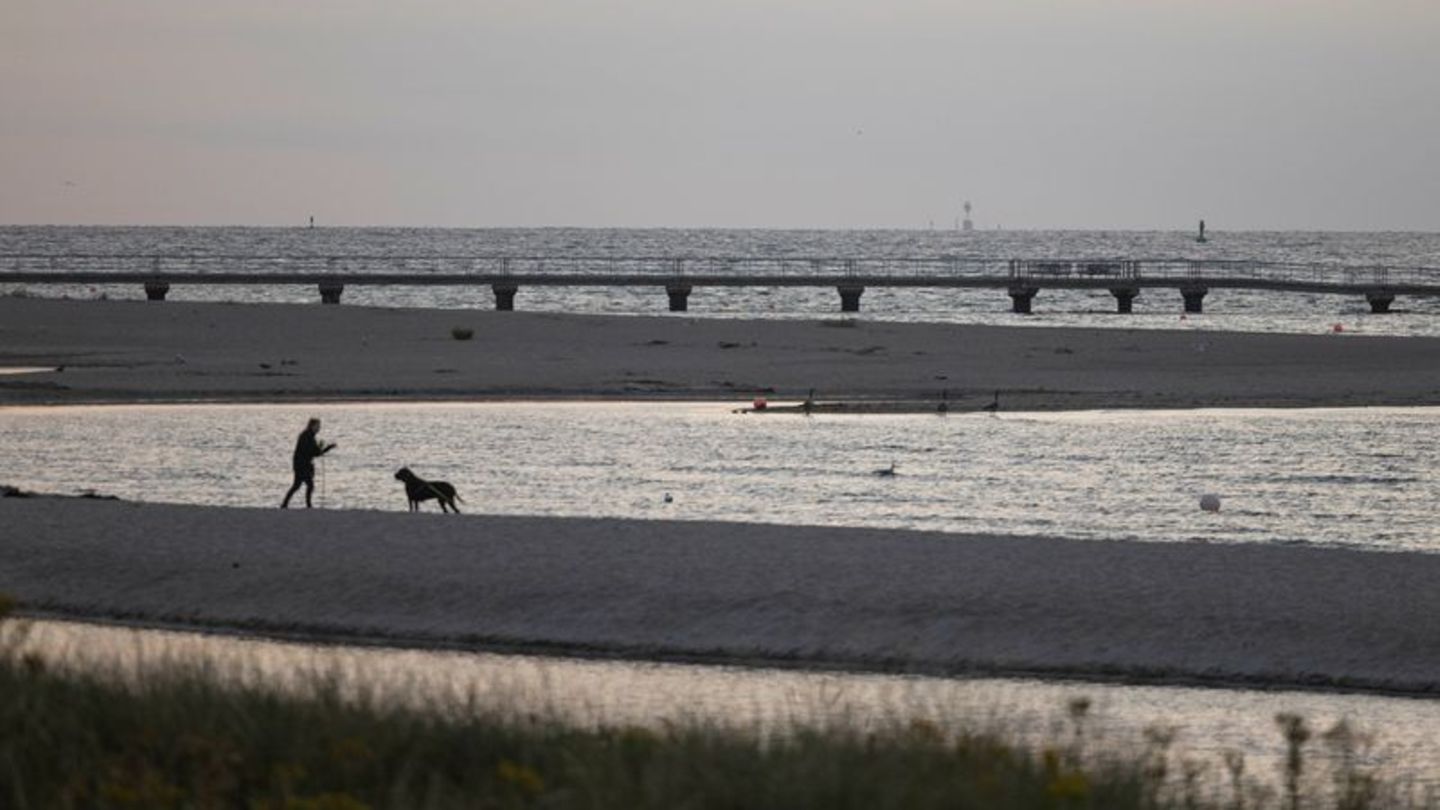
1021 279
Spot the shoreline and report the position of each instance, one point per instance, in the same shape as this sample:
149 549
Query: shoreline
795 597
977 671
789 406
129 351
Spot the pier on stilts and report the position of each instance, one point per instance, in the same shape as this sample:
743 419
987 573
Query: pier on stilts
1023 280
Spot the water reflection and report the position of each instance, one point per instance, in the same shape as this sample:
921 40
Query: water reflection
1346 477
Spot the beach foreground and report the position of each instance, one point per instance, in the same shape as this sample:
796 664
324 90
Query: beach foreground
126 351
805 596
797 596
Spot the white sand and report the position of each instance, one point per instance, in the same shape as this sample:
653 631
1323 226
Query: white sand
813 596
130 350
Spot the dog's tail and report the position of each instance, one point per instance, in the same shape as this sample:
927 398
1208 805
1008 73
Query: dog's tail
458 498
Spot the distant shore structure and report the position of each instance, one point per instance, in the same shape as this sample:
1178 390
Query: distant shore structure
312 221
968 224
1021 278
1201 237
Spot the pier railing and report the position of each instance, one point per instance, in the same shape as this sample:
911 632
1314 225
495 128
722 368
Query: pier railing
1021 278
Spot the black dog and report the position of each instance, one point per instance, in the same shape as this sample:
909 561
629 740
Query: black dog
417 489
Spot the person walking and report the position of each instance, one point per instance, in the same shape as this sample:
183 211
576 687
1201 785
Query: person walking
307 449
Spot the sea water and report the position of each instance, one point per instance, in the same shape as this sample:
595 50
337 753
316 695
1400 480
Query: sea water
1360 478
1234 310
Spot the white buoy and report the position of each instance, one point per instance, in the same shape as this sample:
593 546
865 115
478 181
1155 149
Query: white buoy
1210 502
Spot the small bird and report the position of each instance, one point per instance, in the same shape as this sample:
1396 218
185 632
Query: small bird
669 498
888 472
944 406
993 406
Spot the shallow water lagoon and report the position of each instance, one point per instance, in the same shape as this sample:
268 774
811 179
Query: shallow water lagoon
1342 477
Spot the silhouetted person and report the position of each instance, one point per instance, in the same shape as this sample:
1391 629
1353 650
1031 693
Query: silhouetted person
307 449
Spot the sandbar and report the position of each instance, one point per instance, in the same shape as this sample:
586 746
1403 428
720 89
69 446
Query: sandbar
862 599
128 351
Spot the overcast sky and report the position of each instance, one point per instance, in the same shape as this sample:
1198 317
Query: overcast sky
1110 114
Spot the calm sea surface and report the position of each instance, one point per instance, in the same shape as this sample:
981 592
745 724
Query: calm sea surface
1359 478
1235 310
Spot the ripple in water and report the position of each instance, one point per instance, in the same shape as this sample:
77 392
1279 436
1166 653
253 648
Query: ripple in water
1361 478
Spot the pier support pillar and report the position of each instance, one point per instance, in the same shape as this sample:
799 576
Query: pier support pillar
155 290
1194 298
330 292
1380 301
850 297
1124 299
1020 298
505 296
679 296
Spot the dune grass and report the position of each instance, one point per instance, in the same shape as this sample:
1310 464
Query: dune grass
182 737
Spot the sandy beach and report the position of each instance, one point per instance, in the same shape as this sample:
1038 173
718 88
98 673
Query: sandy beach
845 598
124 351
808 596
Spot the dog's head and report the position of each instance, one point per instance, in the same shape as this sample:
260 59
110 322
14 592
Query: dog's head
404 474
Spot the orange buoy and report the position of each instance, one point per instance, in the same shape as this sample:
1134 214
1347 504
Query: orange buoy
1337 328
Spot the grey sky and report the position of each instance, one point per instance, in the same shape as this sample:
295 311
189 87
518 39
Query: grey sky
808 113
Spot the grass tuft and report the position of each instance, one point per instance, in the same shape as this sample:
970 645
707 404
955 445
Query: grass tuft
189 736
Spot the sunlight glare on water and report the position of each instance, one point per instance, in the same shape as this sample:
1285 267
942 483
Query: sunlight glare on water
1340 477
